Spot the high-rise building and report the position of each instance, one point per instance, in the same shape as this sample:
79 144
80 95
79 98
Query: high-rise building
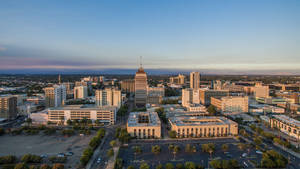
108 97
8 107
80 92
55 96
206 94
127 85
194 80
190 96
140 88
179 80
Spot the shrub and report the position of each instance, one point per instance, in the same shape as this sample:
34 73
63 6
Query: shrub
7 159
29 158
55 159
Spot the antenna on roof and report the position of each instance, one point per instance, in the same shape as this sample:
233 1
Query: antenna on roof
141 65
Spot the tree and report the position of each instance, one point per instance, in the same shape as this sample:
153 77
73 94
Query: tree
217 164
171 147
211 110
172 134
69 122
176 149
137 150
21 166
113 143
169 166
45 166
225 147
257 141
190 149
2 131
189 165
58 166
130 167
179 166
209 148
144 166
119 163
159 166
28 121
241 146
110 152
156 149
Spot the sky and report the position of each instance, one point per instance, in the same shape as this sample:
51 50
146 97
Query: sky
168 34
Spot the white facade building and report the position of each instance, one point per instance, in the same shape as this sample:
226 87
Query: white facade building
80 92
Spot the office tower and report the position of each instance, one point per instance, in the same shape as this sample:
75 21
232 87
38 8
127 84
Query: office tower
140 88
194 80
261 91
190 96
178 80
108 97
80 92
206 94
127 85
55 96
8 107
231 104
69 87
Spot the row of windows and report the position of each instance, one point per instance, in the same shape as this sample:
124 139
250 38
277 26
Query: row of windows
202 131
144 133
285 127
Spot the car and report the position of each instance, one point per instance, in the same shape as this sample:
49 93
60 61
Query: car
244 154
60 155
259 152
44 156
99 160
69 153
246 165
229 155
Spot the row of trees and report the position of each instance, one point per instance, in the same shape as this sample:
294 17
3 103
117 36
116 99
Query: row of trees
26 166
93 144
272 159
186 165
224 164
122 135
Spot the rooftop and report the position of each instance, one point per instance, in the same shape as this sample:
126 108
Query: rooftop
148 119
288 120
84 107
200 120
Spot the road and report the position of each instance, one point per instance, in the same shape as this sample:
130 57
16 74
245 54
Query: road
110 136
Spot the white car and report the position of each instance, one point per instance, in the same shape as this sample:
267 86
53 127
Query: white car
99 160
244 154
259 152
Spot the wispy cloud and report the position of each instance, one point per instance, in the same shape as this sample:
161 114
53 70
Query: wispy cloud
2 48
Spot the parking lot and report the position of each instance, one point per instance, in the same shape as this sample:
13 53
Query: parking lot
198 157
45 145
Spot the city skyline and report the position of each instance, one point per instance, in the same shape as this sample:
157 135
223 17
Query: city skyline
235 36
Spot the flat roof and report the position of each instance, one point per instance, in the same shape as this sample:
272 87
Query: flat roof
84 107
200 120
133 119
288 120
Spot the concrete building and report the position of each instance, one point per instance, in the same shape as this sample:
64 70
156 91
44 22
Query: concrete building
160 91
105 114
140 88
144 125
178 80
39 118
286 125
8 107
261 91
190 96
194 80
55 96
206 94
80 92
108 97
232 104
196 108
127 86
203 126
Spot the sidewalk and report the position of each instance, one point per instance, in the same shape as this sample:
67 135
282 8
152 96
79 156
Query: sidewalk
111 162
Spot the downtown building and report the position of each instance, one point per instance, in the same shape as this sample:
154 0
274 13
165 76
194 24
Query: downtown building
127 86
190 96
144 125
203 126
80 92
140 88
231 104
178 80
8 107
286 125
206 94
55 96
104 114
108 97
194 80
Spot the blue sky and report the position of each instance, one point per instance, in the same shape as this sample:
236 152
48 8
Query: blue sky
211 34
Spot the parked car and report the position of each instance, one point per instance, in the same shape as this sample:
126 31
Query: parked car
69 153
244 154
99 160
44 156
60 155
259 152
